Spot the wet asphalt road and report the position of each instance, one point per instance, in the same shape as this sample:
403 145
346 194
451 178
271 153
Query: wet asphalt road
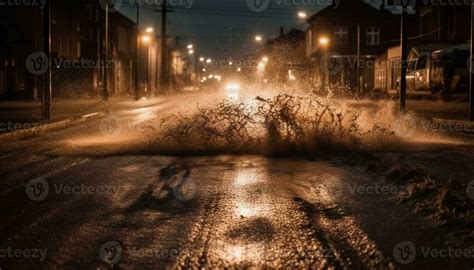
77 199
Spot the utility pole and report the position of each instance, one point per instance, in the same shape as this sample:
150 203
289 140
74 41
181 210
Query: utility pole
164 80
404 62
47 91
105 94
471 64
137 64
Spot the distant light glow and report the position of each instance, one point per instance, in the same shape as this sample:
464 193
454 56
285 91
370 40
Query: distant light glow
149 30
291 76
239 69
146 39
302 15
323 41
265 59
191 51
190 46
201 59
209 60
258 38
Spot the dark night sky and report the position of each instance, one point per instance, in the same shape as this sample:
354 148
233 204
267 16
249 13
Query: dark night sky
229 34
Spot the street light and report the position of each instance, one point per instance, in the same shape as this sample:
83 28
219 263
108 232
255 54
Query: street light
323 41
265 59
302 15
258 38
149 30
191 51
230 63
146 39
209 60
239 69
201 59
190 46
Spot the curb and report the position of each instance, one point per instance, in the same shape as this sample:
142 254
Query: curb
42 128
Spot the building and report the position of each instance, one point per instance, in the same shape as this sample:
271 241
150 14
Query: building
437 27
77 48
337 37
284 58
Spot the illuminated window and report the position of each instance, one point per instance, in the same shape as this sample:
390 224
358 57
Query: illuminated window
373 36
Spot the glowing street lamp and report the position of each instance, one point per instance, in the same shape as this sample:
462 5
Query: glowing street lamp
146 39
239 69
191 51
209 60
323 41
230 63
190 46
258 38
201 59
302 15
265 59
149 30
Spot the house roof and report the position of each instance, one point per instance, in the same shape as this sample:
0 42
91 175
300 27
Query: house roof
355 7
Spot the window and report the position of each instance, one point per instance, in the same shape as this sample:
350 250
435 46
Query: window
342 35
373 36
421 64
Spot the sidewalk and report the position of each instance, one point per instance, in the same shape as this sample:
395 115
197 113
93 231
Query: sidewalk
21 116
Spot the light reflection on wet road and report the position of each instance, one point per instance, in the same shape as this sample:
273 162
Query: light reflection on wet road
213 212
